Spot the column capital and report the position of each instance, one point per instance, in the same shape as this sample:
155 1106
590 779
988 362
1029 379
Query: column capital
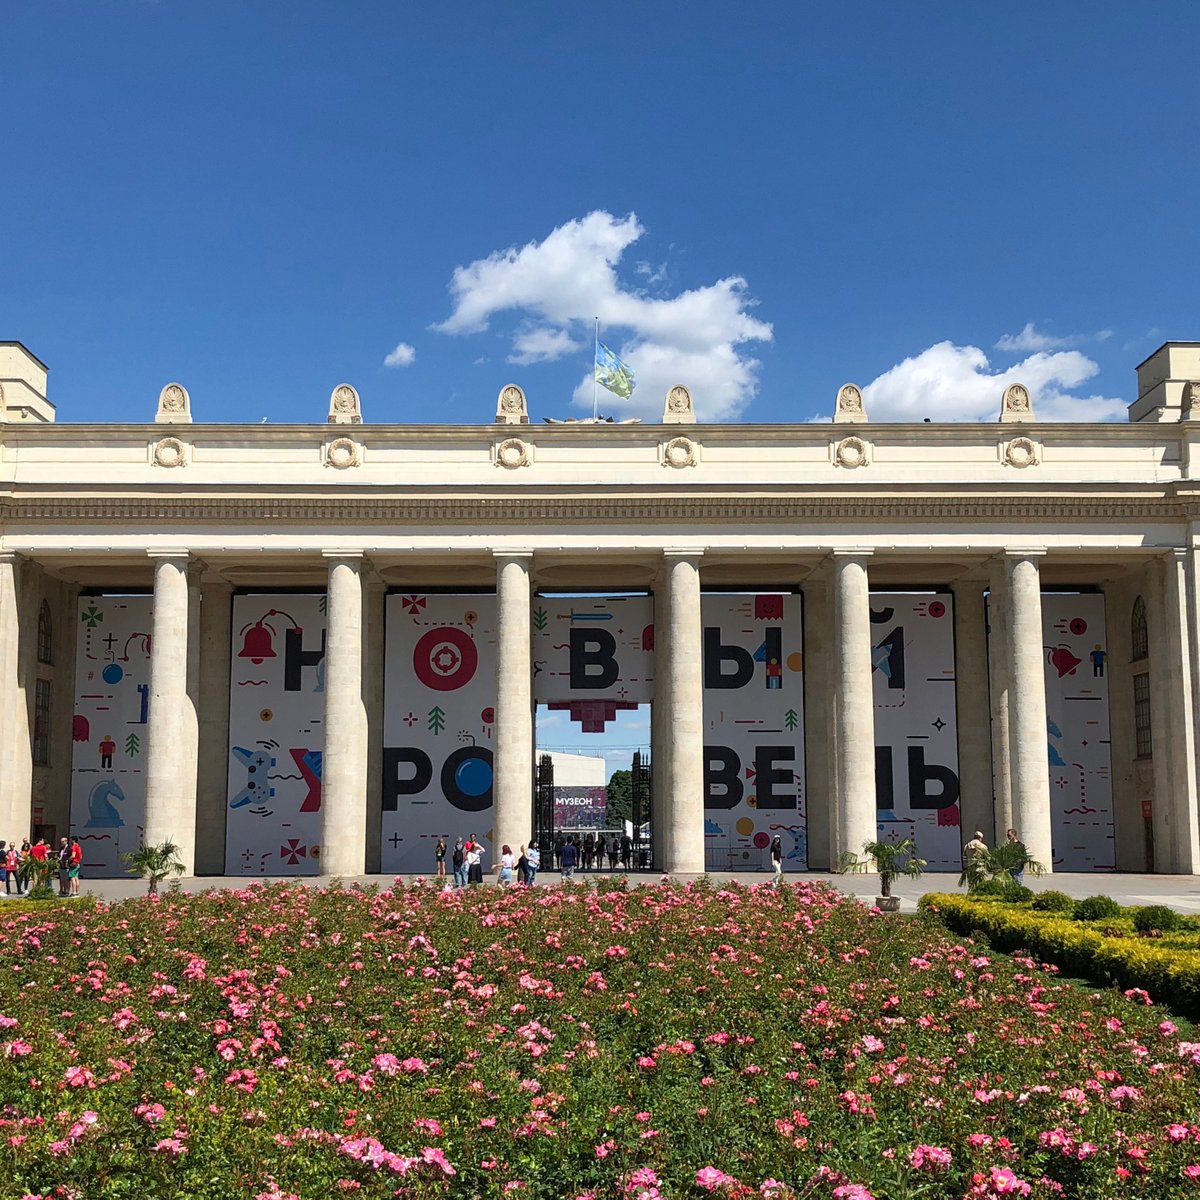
12 557
1010 553
519 552
681 552
171 552
852 552
347 555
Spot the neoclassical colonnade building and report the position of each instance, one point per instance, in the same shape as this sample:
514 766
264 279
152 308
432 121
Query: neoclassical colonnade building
316 647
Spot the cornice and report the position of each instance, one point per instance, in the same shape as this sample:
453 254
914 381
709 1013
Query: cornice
689 509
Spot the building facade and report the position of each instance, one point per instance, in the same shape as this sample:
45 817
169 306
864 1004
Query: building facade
313 648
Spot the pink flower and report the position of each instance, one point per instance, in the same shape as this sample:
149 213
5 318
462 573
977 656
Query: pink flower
852 1191
172 1146
872 1043
389 1064
709 1178
415 1066
435 1157
1005 1183
79 1077
934 1157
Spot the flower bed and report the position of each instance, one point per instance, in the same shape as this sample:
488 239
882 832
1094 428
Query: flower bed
1109 951
567 1042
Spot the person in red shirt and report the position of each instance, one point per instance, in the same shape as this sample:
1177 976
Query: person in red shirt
76 862
40 850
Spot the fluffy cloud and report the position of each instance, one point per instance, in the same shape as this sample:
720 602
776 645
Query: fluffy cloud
1034 339
541 345
954 383
403 356
563 282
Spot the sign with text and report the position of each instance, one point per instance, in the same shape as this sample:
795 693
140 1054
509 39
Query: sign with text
753 666
439 724
594 648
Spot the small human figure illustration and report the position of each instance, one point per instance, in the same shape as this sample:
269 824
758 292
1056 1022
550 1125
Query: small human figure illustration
1098 655
774 675
107 749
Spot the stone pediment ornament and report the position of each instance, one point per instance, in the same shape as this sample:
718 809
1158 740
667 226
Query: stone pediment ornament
680 452
511 408
513 453
849 408
174 406
343 452
1016 405
345 407
678 408
169 452
1020 452
851 452
1190 402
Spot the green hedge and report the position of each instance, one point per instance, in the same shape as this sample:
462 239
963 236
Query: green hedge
1169 974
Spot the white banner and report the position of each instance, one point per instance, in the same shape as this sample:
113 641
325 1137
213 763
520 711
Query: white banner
112 691
276 735
438 728
594 648
916 735
1076 659
753 731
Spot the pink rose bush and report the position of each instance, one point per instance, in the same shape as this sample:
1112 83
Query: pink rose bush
607 1044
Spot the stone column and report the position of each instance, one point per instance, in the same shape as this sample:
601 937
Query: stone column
512 787
376 592
212 779
344 759
171 748
1028 758
999 652
682 807
1128 827
660 731
973 711
16 749
854 704
1172 683
819 770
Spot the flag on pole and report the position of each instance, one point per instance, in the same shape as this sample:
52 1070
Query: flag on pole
612 373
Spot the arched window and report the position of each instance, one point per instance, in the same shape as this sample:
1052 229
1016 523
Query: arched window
1138 636
45 643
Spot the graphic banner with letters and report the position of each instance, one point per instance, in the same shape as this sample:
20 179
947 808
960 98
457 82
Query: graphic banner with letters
753 731
916 733
593 655
1077 734
108 763
438 727
276 735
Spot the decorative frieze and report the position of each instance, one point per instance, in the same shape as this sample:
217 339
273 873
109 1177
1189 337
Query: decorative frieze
850 452
512 453
679 452
1020 452
343 452
169 452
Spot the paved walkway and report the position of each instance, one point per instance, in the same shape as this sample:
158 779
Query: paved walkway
1181 892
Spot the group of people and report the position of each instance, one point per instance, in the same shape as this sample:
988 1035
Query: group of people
977 845
466 860
34 862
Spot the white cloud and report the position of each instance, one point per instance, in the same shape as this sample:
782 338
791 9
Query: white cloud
954 383
1032 339
403 356
568 279
541 345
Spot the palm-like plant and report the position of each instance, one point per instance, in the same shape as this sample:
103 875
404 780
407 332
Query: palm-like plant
1003 862
889 859
155 863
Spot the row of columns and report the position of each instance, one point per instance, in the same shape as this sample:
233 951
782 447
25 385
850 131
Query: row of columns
1003 784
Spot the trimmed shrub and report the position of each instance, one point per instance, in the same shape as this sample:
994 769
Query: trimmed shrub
1097 908
1156 917
1004 888
1170 975
1052 901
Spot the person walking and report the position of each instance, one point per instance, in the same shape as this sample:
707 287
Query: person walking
507 863
439 857
458 861
76 865
12 869
534 855
568 858
777 858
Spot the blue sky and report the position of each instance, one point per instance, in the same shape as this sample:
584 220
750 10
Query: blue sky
764 201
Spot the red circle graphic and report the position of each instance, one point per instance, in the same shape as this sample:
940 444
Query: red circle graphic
445 659
937 608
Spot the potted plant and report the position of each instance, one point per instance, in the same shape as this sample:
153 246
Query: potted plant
1005 864
889 859
154 863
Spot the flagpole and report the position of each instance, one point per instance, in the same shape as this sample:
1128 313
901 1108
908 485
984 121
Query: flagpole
595 358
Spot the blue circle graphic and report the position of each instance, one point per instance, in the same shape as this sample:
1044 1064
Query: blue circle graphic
113 673
473 776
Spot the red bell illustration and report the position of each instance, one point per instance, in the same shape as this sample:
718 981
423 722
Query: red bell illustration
256 644
1063 661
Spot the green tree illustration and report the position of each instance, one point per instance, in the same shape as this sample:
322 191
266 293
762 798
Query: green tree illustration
437 720
132 745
